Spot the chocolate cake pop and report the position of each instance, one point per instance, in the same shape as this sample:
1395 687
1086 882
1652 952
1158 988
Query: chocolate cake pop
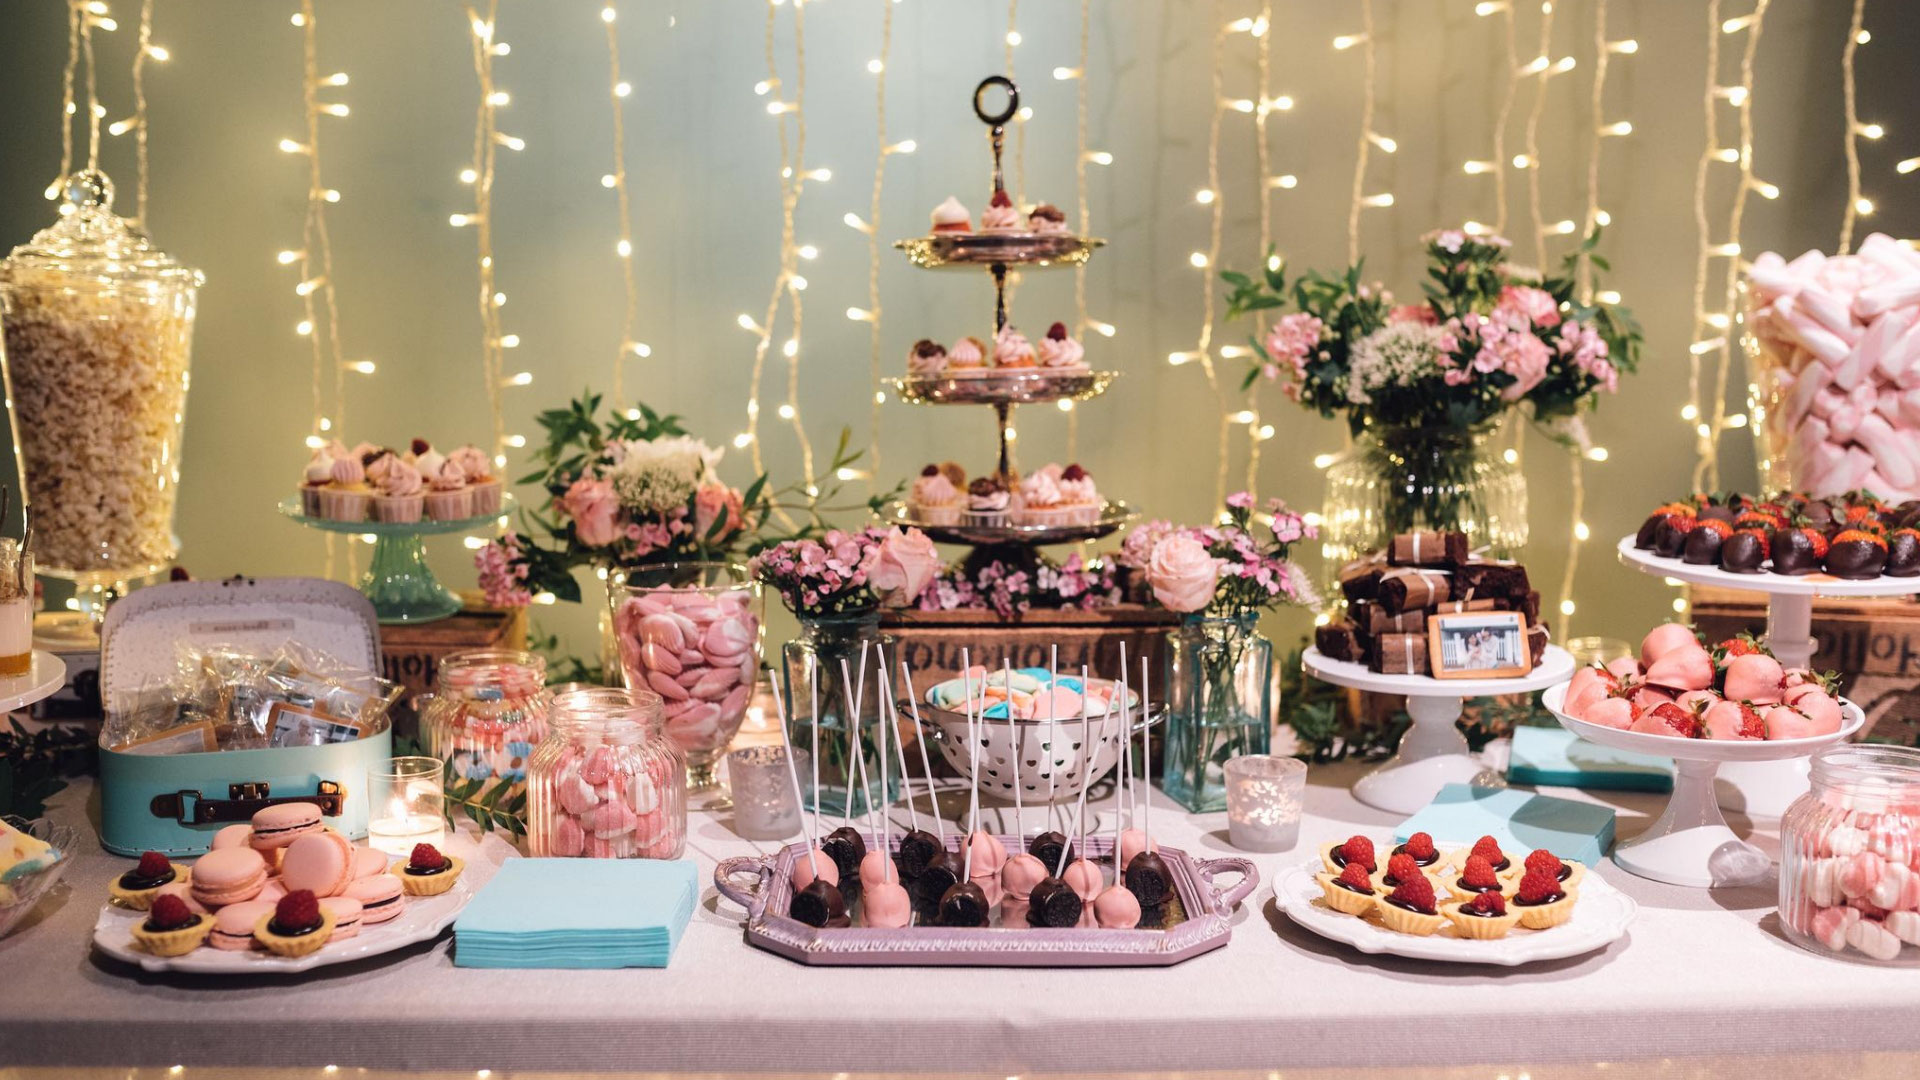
1903 553
919 848
884 904
1054 905
1022 871
966 903
818 903
1744 552
1147 875
927 889
1081 873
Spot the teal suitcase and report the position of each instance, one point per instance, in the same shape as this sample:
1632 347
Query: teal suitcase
175 803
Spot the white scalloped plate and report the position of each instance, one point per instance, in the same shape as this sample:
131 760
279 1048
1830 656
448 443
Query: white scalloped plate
1601 915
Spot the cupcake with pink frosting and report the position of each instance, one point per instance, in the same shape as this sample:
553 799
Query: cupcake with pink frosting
934 498
1060 354
346 495
1079 495
318 474
967 359
1000 216
448 496
377 468
1011 349
477 467
425 458
401 493
1040 501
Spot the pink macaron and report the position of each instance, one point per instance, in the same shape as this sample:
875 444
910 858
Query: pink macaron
228 876
272 891
183 890
233 836
321 863
279 825
369 863
381 898
233 926
346 912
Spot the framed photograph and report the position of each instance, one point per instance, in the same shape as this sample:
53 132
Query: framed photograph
1478 645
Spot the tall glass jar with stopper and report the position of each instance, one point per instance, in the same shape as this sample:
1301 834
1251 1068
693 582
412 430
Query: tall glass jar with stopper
607 782
99 327
487 713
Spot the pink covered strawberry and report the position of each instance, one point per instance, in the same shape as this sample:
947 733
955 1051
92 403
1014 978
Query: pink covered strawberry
1617 713
1590 684
1684 667
1625 667
1668 719
1664 639
1698 702
1755 677
1645 697
1818 706
1733 720
1787 722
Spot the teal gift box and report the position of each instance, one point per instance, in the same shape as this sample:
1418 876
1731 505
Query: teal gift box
1556 757
174 803
1520 820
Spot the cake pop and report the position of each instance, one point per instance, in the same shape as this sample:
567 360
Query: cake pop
845 844
965 904
806 869
1022 871
1050 844
817 903
883 902
1133 841
1147 874
942 870
918 848
1081 873
1116 908
985 855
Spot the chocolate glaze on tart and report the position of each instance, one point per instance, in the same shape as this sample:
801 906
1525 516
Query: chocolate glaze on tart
135 881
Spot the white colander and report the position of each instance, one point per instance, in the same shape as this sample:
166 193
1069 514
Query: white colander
1051 752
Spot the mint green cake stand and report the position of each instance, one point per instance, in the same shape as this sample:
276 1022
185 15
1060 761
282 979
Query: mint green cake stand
399 582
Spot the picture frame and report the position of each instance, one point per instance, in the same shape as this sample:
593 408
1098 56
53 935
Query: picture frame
1478 645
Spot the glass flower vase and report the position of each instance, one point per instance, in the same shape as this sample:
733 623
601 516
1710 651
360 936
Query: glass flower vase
1219 705
1395 480
828 646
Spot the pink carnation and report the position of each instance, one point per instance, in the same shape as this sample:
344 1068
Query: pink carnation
592 505
1292 339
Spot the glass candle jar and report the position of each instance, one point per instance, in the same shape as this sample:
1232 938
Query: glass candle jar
690 632
406 798
1849 886
607 783
99 325
487 712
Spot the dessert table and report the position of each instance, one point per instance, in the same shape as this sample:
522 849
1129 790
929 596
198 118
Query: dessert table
1703 975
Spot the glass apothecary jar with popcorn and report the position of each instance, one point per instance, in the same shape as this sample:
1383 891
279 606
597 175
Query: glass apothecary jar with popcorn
99 327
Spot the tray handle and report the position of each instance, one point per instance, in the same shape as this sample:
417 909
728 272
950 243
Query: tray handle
1225 902
749 897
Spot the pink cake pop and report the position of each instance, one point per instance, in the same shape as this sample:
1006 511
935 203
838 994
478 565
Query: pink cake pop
1081 874
884 902
985 854
812 866
1116 908
1133 841
1022 871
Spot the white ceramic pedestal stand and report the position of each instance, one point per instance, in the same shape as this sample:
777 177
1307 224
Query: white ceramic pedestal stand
1691 844
1433 753
1764 789
45 675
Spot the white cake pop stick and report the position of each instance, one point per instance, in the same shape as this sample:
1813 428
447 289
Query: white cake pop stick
973 765
1013 740
854 695
813 692
1080 811
1146 752
900 747
1053 733
793 774
926 766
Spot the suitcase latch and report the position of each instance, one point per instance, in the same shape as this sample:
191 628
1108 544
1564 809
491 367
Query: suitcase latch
243 800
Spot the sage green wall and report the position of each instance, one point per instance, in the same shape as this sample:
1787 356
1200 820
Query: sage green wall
703 157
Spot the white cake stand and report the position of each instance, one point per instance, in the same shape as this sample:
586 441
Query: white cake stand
1433 753
1765 788
45 675
1691 844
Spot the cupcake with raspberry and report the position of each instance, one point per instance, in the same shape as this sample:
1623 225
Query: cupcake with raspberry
425 458
1060 354
477 467
1011 349
1046 218
402 493
934 499
346 496
1079 495
1040 501
1000 216
926 358
950 217
989 503
967 359
448 497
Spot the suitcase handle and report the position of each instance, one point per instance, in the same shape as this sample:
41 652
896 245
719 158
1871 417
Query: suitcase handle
242 802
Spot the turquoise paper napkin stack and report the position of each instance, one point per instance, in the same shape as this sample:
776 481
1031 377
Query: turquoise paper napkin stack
577 913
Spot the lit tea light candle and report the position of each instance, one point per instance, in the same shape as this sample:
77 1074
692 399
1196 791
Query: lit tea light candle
407 800
1264 797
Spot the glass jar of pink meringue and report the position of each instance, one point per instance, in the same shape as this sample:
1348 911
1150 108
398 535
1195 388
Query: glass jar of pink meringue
690 632
607 783
487 712
1850 856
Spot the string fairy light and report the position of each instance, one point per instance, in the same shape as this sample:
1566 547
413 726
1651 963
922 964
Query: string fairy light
145 51
788 283
1262 30
882 149
1080 320
1736 216
1856 203
1367 134
1497 167
1541 71
1205 261
487 140
623 247
1020 119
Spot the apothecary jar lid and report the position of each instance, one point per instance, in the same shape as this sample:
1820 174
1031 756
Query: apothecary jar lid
90 245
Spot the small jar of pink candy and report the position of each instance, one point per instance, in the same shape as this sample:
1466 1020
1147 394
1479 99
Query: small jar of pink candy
1850 856
607 783
690 632
487 712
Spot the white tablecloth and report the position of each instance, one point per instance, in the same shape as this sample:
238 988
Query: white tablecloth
1701 974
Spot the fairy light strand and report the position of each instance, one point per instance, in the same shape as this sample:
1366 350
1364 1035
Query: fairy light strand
1366 132
89 20
1847 93
146 50
487 139
1019 121
880 153
1703 445
1262 30
1508 93
66 99
1080 322
1736 217
1546 71
617 91
1206 262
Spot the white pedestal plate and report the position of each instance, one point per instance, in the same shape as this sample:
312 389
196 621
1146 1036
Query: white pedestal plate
1754 787
1433 753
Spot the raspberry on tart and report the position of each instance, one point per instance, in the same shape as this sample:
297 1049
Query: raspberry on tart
1478 875
170 913
1357 849
1355 877
1538 888
1415 895
1487 905
1489 849
1420 846
1400 867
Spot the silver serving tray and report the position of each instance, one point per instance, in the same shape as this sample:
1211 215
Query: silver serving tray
1203 921
971 249
1113 515
1002 386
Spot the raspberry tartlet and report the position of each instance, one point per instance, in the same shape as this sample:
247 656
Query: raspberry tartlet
1351 892
1542 901
1568 874
1401 867
1358 849
137 887
297 926
1476 877
1483 918
1420 847
1411 908
171 928
429 871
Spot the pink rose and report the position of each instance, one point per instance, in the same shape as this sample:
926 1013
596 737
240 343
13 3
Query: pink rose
1524 357
1182 574
713 503
592 505
1414 313
1534 305
903 565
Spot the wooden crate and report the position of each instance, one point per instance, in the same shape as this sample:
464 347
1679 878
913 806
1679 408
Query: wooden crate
930 641
1873 644
410 655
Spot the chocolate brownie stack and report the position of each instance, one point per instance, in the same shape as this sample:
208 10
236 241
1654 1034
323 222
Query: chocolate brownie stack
1391 594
